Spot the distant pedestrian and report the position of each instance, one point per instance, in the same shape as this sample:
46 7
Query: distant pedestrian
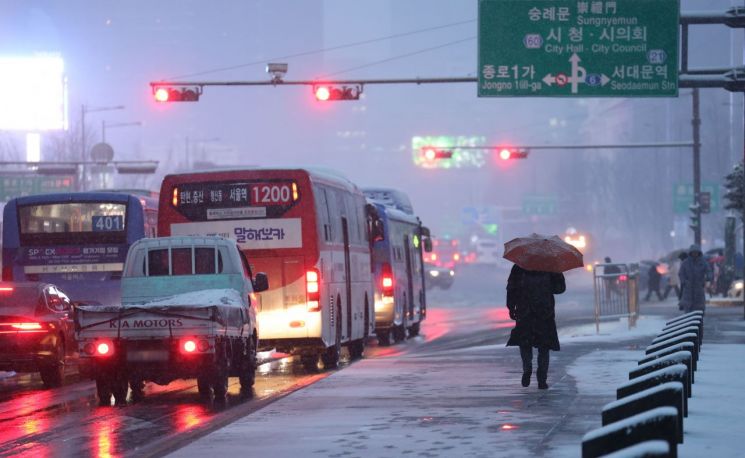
653 282
683 256
674 282
694 275
530 300
611 274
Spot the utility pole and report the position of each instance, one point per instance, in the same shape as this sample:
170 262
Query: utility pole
696 207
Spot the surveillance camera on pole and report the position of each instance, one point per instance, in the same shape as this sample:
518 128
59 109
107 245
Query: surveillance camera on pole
277 70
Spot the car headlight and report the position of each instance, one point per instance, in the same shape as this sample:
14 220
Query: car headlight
452 273
738 285
434 273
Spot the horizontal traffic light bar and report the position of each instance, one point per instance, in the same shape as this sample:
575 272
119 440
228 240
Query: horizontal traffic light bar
176 94
599 146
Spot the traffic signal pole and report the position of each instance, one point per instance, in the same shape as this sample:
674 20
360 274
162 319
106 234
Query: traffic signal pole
696 207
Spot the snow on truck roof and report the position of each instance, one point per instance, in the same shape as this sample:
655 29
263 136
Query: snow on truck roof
182 241
316 174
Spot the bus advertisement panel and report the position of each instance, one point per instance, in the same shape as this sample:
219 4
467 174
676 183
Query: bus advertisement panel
78 241
307 231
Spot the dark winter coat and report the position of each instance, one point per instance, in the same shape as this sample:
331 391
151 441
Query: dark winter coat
530 299
653 278
694 273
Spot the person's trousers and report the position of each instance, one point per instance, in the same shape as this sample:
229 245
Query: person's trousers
653 290
669 288
526 352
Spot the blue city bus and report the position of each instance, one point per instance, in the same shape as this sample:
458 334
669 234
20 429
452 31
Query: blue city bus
77 241
398 266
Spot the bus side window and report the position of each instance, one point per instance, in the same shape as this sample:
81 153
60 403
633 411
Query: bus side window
336 212
322 213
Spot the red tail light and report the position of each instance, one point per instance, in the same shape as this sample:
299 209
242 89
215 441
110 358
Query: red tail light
189 346
6 289
26 326
623 278
104 349
21 328
386 281
313 289
7 273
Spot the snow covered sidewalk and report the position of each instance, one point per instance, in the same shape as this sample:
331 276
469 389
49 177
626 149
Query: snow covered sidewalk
468 401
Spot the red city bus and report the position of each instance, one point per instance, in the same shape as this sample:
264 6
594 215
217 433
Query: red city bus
308 231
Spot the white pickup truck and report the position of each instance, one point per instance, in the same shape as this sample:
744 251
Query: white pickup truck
188 310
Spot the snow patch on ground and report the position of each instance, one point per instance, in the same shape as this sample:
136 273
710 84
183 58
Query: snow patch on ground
716 412
599 373
613 331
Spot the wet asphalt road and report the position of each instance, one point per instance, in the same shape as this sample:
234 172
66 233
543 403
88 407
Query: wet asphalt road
68 422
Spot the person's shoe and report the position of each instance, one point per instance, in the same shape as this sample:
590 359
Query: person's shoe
526 379
542 385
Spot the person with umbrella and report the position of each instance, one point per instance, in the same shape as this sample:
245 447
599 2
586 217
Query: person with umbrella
534 279
694 276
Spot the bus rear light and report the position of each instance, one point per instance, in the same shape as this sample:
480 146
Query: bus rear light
387 280
295 194
314 306
6 289
297 324
313 289
174 199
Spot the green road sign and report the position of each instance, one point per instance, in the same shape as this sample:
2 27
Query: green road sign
539 205
24 185
540 48
683 196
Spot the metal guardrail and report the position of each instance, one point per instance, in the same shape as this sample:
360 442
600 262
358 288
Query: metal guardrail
616 288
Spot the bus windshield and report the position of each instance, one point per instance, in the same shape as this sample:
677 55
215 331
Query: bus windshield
65 223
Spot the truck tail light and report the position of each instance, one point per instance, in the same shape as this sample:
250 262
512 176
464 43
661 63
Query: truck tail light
386 282
104 348
189 346
313 289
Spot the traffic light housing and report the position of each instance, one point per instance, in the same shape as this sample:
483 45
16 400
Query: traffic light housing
695 217
432 153
507 154
325 93
165 94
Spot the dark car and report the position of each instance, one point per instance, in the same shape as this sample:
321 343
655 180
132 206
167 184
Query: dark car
437 276
36 330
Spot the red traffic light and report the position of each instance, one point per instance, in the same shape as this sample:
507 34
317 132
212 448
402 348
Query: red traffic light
512 153
325 93
431 153
168 94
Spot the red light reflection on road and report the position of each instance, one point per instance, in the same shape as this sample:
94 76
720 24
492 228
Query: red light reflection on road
439 322
104 439
508 427
189 416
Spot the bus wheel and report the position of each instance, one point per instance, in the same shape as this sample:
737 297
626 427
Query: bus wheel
103 390
331 356
384 338
414 330
247 375
309 362
357 348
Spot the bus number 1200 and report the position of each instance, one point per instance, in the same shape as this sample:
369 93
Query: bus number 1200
271 194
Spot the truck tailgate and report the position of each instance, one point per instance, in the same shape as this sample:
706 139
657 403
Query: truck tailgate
145 323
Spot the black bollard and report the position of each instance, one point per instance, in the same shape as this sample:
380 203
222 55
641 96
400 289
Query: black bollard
658 423
690 337
685 346
691 322
670 394
669 335
697 313
676 373
680 357
646 449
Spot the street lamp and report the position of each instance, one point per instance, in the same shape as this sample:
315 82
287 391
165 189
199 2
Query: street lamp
116 124
83 111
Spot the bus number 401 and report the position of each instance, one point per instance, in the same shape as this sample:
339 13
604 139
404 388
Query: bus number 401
107 223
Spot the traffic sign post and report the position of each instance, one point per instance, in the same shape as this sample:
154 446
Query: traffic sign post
545 48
